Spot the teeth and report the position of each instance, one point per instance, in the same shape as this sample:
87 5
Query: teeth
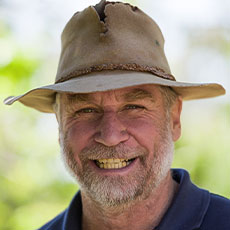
112 163
111 160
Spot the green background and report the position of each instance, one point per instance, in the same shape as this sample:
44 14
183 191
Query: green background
34 185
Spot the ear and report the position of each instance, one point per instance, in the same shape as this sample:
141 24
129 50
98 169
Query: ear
59 123
57 112
57 117
57 107
175 119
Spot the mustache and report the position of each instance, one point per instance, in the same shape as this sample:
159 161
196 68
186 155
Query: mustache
100 151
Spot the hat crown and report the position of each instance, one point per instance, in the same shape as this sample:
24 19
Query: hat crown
108 36
111 36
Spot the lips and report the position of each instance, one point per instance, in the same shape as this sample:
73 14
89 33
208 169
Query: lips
113 163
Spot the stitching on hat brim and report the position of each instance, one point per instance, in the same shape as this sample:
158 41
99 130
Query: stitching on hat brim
130 67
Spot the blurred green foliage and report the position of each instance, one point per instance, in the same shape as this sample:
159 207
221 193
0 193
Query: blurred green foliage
33 187
204 150
16 65
20 68
30 190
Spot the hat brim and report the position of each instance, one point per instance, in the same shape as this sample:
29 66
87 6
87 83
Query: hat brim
43 98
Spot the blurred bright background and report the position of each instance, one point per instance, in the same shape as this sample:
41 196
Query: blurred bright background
34 185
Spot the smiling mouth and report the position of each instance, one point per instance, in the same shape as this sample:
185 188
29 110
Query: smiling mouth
113 163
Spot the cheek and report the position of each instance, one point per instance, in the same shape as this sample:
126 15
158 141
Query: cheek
80 135
145 132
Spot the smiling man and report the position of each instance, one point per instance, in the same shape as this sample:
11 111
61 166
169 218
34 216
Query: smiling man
118 107
119 143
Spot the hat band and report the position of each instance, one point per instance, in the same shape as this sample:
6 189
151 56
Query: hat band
131 67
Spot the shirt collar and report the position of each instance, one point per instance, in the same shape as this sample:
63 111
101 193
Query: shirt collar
73 214
188 207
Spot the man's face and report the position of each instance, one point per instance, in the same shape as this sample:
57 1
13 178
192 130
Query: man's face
118 144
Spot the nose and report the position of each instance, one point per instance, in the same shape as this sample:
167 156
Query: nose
111 131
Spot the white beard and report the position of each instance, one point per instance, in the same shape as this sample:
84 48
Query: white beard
117 190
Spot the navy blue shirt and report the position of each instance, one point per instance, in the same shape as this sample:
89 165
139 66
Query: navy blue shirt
192 209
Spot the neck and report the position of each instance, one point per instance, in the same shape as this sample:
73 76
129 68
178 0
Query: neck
140 214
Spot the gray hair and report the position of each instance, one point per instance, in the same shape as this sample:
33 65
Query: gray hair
169 96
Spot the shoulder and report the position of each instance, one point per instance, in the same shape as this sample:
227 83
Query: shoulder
196 208
218 213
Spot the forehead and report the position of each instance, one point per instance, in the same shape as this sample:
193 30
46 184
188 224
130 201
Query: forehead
141 92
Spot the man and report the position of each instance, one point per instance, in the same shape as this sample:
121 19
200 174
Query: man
118 108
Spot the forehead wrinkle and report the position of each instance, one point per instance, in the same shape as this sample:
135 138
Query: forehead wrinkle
79 97
138 94
133 95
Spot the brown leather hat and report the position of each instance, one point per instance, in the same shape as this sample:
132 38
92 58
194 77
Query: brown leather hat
109 46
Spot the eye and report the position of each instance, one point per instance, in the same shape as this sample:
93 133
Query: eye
132 107
87 110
